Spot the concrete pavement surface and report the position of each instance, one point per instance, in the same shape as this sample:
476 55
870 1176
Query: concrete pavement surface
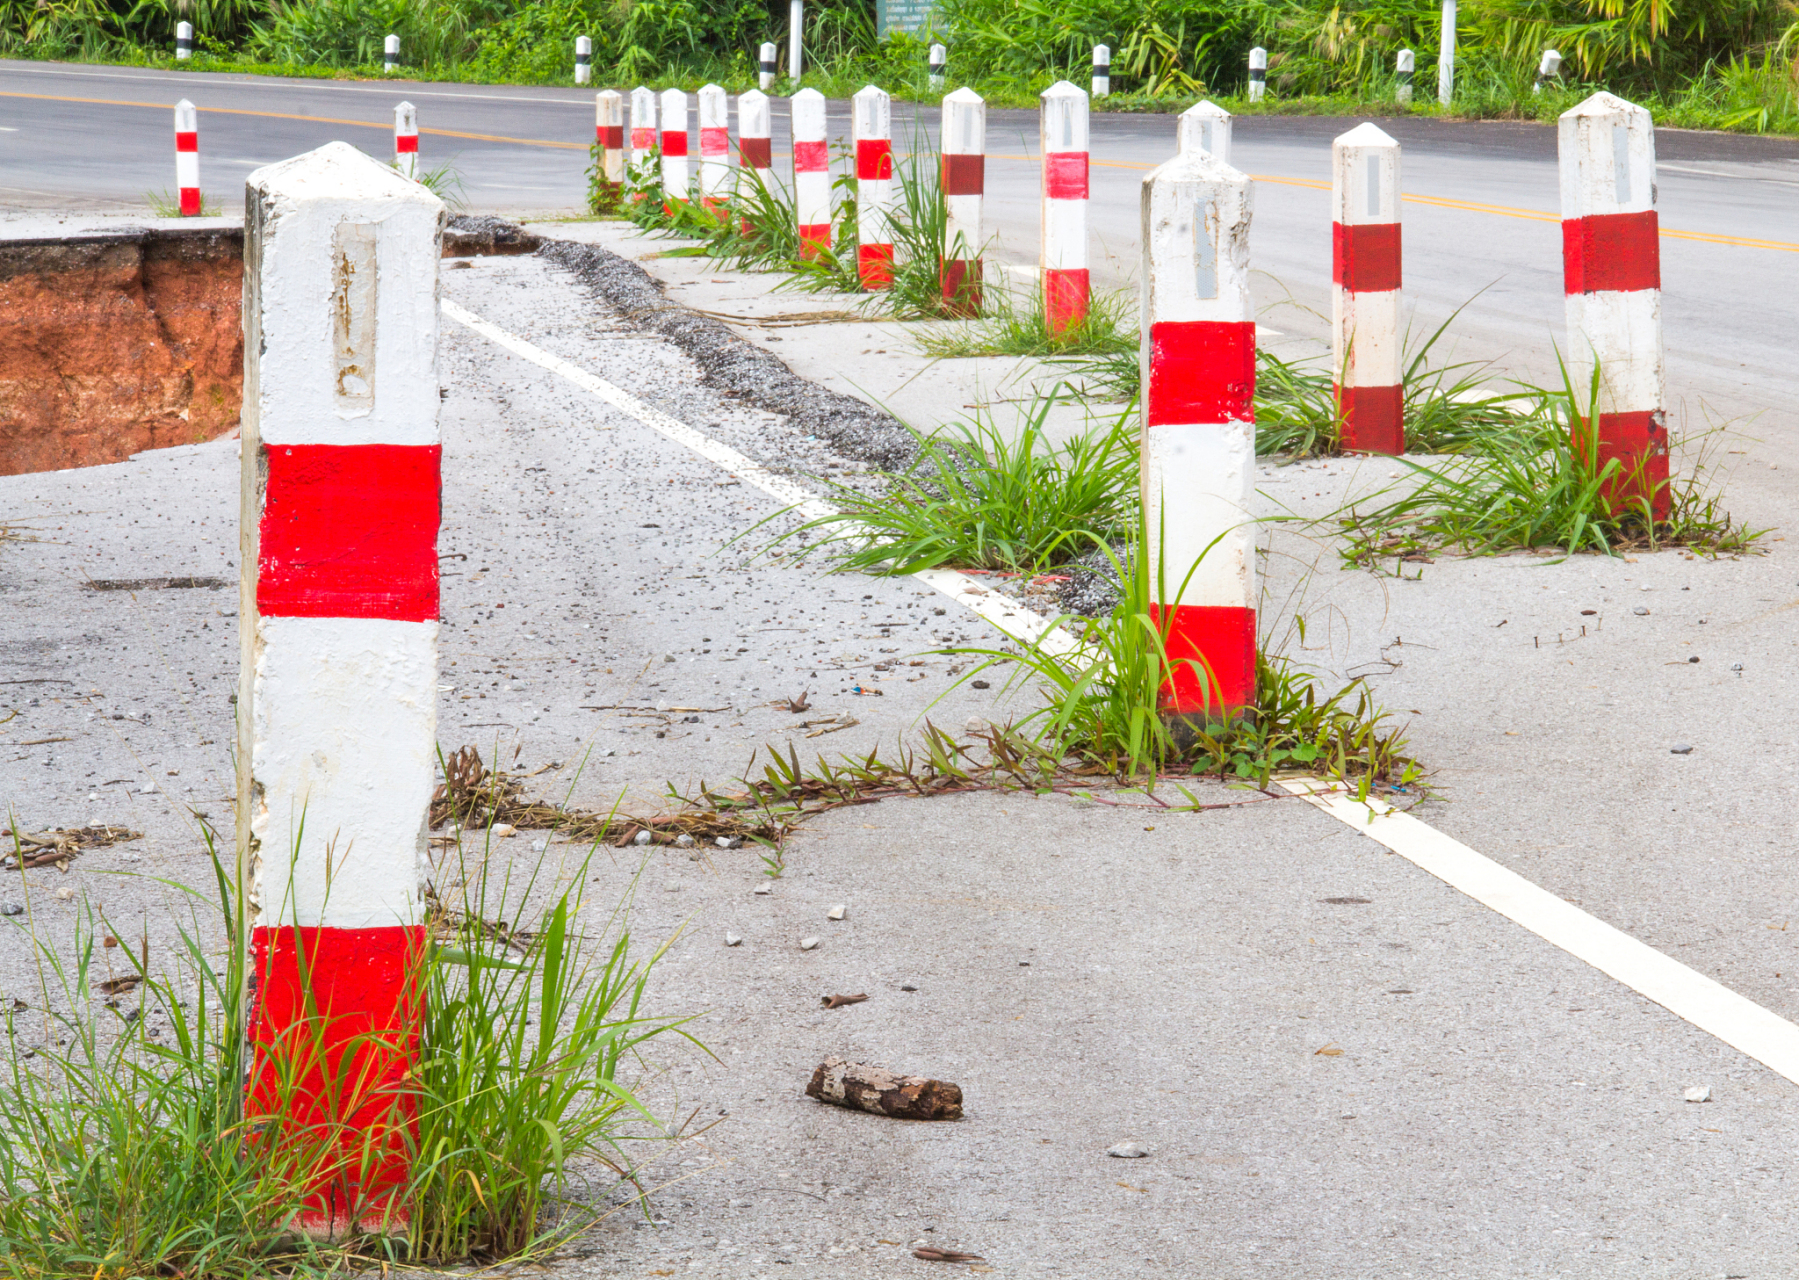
1089 972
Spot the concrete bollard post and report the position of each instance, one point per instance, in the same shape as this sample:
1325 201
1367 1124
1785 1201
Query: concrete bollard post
765 74
1404 66
796 28
755 151
1205 126
609 132
406 140
1258 73
643 132
583 59
1612 276
964 181
1446 55
715 148
1102 71
187 159
811 172
939 67
871 119
1198 443
675 174
390 54
1365 276
1067 290
1549 69
337 694
184 41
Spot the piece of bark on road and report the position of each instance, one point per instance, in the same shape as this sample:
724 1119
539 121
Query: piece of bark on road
837 1002
884 1093
944 1255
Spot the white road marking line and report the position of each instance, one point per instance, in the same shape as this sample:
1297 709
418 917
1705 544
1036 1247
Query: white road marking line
1712 1007
1001 610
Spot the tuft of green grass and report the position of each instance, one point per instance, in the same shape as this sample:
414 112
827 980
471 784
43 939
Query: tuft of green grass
1018 327
165 205
976 497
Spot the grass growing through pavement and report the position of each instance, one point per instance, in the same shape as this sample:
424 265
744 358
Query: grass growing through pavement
1012 326
125 1150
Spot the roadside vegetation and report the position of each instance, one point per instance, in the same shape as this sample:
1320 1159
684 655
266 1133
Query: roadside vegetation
1724 64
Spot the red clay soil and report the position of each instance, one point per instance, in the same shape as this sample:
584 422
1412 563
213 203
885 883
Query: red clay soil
113 344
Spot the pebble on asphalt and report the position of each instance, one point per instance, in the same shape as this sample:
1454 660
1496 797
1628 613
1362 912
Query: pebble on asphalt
1699 1093
642 837
1127 1150
1640 611
683 841
11 909
501 830
837 912
729 842
1681 749
808 944
907 986
673 886
765 888
733 940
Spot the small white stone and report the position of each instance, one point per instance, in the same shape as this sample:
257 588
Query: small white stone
974 724
808 944
732 940
502 830
1699 1093
538 846
1127 1150
643 837
765 888
673 886
837 912
147 788
683 841
65 894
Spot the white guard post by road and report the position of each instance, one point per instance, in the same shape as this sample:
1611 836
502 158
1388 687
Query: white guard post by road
406 140
871 126
811 172
1102 71
1365 285
715 148
609 132
1067 289
1446 55
338 619
1205 126
1404 66
755 149
939 67
1198 444
765 71
963 183
675 175
1548 70
583 59
390 54
184 41
796 27
1258 73
1612 276
187 159
643 133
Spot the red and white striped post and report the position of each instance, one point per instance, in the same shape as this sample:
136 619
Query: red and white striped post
755 150
964 181
715 148
1365 280
187 158
1205 126
675 175
609 132
1198 443
406 140
1067 290
811 172
337 694
643 132
1612 276
871 124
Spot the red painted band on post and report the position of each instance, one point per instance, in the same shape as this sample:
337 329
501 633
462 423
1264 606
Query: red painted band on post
1638 442
335 1024
611 136
755 153
1066 295
405 143
187 141
874 262
674 144
874 159
811 157
1201 371
813 237
642 139
1366 257
1373 419
1611 251
1212 658
715 142
964 175
350 531
190 202
1065 175
962 285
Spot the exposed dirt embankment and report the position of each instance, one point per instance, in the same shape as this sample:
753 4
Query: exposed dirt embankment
111 344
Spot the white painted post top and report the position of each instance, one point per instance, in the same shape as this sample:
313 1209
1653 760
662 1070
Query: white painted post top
1196 231
1365 184
406 118
609 107
1551 63
1607 150
674 109
938 54
1258 59
713 106
1102 54
1206 127
964 123
1407 62
643 107
343 251
1064 117
752 114
187 120
808 108
871 113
